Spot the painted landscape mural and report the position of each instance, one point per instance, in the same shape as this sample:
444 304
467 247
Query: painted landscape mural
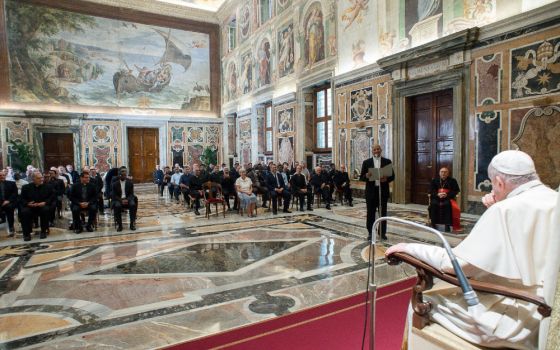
69 58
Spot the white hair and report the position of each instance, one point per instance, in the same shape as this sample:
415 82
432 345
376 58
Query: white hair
515 180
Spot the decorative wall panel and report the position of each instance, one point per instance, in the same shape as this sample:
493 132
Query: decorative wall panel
284 120
244 126
101 142
488 79
187 141
487 145
361 142
361 104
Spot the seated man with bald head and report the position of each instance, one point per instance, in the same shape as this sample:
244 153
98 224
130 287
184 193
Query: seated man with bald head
443 207
514 243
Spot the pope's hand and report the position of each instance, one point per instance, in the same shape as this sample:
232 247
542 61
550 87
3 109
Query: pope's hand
489 200
397 248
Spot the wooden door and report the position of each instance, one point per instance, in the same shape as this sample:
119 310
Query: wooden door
143 153
58 149
432 115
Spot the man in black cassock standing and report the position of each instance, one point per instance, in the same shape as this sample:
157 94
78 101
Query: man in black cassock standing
373 202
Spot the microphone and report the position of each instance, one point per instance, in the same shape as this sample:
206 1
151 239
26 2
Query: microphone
468 293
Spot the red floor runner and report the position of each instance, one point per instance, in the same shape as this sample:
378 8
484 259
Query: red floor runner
336 325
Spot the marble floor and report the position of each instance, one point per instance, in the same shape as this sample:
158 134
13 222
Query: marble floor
180 276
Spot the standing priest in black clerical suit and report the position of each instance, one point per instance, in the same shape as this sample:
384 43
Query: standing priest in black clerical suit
8 201
443 207
373 202
122 196
34 200
83 196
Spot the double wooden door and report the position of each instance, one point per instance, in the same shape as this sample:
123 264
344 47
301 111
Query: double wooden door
143 153
58 149
432 115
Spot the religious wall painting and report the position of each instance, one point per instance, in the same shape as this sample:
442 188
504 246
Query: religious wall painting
244 17
245 154
285 118
353 12
245 130
178 153
231 81
86 60
195 134
487 144
264 63
423 21
101 134
361 141
341 107
361 104
213 135
382 100
194 154
286 150
102 158
286 56
535 69
314 31
246 77
282 5
358 53
17 131
537 133
488 79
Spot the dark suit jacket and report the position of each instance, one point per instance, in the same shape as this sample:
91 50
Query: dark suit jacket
42 193
10 192
116 191
270 181
341 177
298 182
75 195
371 189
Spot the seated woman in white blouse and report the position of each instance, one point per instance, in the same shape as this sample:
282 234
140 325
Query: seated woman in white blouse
247 198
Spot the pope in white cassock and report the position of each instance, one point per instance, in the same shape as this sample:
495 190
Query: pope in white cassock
515 243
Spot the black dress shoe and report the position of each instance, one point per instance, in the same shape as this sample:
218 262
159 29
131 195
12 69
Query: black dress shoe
43 235
27 238
78 231
89 228
287 211
196 212
265 206
328 207
132 226
275 212
119 228
350 204
383 237
309 209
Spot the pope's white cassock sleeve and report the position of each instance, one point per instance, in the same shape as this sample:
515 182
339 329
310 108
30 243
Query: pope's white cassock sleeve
512 244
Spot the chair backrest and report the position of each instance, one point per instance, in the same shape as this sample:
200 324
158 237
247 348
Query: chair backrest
212 190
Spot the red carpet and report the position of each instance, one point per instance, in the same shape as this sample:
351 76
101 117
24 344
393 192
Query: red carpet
336 325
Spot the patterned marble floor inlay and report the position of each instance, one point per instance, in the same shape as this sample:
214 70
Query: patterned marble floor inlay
180 276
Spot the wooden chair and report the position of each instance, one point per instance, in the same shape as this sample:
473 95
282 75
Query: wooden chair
433 336
213 195
339 194
317 196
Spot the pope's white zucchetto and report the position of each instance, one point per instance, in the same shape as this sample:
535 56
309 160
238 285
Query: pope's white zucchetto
513 162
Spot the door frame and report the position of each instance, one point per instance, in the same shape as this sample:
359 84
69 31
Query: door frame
145 124
457 80
38 143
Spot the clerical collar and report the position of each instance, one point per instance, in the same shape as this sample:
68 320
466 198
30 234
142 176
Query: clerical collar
525 187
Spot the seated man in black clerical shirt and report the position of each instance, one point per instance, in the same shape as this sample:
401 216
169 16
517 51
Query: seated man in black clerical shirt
123 197
259 184
184 185
8 201
342 182
57 187
322 184
34 201
83 196
299 188
443 207
195 185
96 180
277 188
228 188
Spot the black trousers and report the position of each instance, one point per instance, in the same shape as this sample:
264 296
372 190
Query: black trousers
275 196
132 207
196 195
262 190
76 210
100 204
301 198
372 204
347 191
325 192
27 214
8 211
227 194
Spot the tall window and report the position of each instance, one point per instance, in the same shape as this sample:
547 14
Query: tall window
268 129
323 119
266 10
232 32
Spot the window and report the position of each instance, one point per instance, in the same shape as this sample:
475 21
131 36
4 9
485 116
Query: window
268 129
232 30
323 119
266 10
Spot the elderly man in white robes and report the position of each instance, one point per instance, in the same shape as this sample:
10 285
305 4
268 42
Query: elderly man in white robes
515 243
